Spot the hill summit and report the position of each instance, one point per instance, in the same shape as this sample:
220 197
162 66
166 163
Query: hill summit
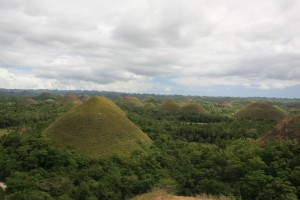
261 110
97 127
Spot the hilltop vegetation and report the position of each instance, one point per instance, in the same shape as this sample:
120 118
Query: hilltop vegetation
97 127
190 154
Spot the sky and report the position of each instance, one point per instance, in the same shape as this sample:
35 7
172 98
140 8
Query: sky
188 47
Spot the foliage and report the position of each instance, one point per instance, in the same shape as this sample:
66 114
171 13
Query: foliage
191 154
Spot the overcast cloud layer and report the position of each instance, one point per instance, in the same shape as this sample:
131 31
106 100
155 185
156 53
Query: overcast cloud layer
158 46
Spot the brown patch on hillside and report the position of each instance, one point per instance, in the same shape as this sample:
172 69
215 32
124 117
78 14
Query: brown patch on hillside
163 195
288 128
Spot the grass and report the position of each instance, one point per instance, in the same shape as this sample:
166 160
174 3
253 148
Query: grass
98 127
163 195
261 110
3 131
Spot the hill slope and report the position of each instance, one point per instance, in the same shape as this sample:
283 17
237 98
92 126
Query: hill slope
288 128
261 110
97 127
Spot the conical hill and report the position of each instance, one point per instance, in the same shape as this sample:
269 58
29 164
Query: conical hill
97 127
261 110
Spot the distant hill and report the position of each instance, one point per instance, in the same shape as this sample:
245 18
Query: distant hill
288 128
97 127
224 103
261 110
170 106
149 105
84 97
132 101
194 108
70 99
46 95
29 102
150 99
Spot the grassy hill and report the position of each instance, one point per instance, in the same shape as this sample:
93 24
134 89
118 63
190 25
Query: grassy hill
132 102
261 110
288 128
97 127
84 97
70 99
149 105
29 102
194 108
170 106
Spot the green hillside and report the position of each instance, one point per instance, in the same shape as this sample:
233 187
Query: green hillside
95 128
261 110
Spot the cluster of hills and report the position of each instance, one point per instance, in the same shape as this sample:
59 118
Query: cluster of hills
97 126
100 127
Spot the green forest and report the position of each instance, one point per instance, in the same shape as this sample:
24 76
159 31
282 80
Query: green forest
216 152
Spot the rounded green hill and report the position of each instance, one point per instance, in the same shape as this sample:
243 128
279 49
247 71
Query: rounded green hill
95 128
29 102
84 97
194 108
70 99
170 106
149 105
261 110
132 102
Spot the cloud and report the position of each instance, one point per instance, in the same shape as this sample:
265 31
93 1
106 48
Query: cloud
123 45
